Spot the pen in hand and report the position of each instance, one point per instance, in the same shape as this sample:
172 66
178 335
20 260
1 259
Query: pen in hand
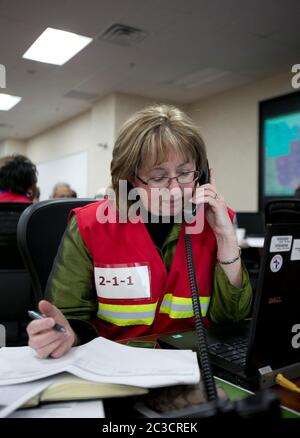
36 315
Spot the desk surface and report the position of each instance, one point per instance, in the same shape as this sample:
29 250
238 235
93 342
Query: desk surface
287 398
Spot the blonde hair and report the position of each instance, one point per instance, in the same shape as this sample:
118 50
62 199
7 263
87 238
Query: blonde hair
148 136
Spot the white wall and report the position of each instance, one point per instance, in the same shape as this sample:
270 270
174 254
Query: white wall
64 139
127 104
60 145
72 168
100 148
11 146
93 132
107 116
229 125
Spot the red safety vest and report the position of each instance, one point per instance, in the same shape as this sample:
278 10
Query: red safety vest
13 197
136 295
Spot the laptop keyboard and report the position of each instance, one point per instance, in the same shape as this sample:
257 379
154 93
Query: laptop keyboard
234 352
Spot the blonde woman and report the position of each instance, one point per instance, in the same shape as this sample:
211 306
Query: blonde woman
120 276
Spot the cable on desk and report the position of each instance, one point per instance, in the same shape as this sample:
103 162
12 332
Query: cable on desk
202 349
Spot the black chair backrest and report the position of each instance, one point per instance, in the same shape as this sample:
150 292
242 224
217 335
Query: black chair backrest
15 290
40 231
10 213
282 211
253 222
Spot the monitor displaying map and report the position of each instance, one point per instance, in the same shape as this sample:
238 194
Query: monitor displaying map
282 155
279 134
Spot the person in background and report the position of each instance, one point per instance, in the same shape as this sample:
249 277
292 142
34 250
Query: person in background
63 190
36 195
101 193
297 192
18 178
125 280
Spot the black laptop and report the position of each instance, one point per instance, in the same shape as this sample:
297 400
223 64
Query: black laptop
242 352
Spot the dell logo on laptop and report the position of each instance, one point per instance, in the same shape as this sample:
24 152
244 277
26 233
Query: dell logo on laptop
275 300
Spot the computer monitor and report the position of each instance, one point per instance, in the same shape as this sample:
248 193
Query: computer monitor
279 147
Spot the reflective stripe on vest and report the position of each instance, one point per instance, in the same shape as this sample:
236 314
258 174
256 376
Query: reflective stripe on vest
178 307
127 314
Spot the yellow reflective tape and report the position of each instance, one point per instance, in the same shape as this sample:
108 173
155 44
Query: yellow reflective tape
182 300
179 307
128 307
126 322
175 313
180 314
125 315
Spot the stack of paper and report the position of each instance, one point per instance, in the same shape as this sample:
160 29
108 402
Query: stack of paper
119 371
103 361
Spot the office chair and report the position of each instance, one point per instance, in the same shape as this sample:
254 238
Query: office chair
282 211
40 230
15 290
253 222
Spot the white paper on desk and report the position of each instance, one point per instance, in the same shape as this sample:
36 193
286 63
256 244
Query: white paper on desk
78 409
103 361
14 396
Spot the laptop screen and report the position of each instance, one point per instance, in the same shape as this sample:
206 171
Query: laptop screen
275 334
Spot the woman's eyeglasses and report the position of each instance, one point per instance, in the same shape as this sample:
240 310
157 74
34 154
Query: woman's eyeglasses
164 181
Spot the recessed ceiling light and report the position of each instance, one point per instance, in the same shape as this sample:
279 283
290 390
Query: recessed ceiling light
55 46
7 101
200 77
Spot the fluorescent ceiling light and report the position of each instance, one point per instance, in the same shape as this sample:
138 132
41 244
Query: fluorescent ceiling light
55 46
7 101
200 77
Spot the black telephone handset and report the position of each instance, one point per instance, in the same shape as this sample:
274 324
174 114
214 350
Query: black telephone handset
203 179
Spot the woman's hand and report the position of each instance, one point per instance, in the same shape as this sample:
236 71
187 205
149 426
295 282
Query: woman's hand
218 218
44 339
216 209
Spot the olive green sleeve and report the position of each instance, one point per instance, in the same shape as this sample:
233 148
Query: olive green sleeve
71 285
229 303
